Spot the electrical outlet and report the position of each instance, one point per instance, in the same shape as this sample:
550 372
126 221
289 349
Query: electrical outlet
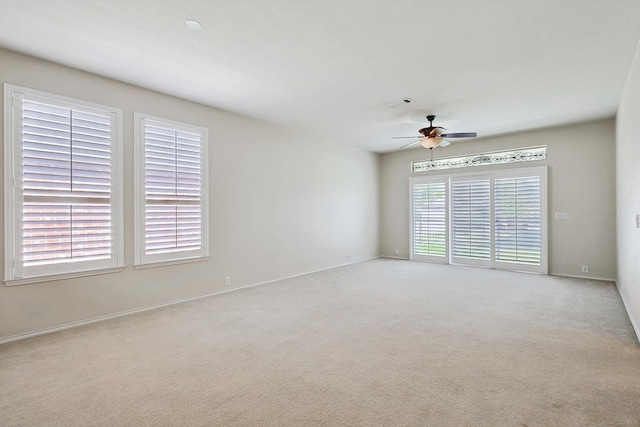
585 268
227 281
347 257
397 251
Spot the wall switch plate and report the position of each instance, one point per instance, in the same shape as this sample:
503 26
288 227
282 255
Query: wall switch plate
562 215
638 221
227 281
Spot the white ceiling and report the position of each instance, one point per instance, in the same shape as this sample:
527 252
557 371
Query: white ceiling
329 67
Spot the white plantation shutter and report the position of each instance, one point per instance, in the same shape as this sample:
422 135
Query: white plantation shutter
172 190
518 218
172 194
494 219
429 220
66 184
471 222
67 214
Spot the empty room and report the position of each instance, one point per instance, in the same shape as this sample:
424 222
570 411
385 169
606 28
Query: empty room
320 213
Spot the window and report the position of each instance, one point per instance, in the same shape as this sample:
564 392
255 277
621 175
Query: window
495 220
471 222
63 188
171 181
429 218
530 154
518 219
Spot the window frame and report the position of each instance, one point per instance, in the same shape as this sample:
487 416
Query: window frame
457 258
141 259
440 259
15 271
543 267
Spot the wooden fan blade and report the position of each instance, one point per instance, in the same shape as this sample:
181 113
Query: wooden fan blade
459 135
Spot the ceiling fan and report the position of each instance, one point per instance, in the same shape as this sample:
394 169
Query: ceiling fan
433 137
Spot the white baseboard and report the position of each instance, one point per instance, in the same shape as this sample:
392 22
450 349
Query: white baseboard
634 324
575 276
156 306
393 257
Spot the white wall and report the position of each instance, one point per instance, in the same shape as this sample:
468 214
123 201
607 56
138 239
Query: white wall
581 182
628 193
282 203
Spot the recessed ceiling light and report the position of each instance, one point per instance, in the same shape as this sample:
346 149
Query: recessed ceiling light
192 24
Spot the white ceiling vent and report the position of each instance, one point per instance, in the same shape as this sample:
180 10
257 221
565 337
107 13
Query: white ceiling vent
399 102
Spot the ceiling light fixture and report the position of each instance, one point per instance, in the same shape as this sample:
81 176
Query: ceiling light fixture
192 24
430 141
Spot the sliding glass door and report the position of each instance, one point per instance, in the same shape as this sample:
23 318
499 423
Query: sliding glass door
495 220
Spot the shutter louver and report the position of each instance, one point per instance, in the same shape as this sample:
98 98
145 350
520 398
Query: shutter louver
173 188
66 184
471 225
429 219
518 220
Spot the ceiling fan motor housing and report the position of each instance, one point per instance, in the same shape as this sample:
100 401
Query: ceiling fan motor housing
430 132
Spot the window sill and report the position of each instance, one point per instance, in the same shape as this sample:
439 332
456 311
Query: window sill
171 262
61 276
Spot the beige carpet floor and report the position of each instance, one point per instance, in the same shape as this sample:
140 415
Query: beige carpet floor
379 343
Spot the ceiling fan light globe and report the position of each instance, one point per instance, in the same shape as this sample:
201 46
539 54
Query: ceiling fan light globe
430 142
